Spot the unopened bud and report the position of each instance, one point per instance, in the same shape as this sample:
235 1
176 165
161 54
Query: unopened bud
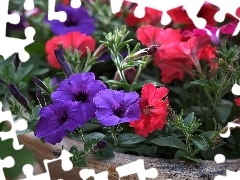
100 145
16 62
64 64
129 73
100 51
40 98
18 96
39 83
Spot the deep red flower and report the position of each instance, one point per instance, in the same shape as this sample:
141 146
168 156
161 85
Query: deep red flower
173 67
153 106
179 58
179 16
237 101
150 35
152 17
74 40
207 53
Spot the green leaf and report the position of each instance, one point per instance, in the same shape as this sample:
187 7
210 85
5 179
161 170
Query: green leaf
94 136
145 149
92 139
78 158
200 142
180 153
169 141
25 71
190 159
90 127
224 111
104 154
207 134
204 84
41 71
129 139
188 119
119 84
141 83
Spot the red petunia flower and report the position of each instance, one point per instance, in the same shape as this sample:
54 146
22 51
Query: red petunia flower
179 58
150 35
153 106
74 40
207 53
152 17
180 16
237 101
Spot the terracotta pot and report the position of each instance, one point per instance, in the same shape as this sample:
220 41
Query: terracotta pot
167 169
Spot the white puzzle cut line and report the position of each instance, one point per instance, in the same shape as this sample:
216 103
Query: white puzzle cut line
18 125
66 166
192 8
8 45
53 15
7 162
137 167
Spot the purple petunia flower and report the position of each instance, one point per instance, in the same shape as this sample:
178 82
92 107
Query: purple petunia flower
78 19
57 119
80 88
115 107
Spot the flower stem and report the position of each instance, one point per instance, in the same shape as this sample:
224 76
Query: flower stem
113 132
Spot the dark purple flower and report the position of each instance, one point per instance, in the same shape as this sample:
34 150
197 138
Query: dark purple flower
78 19
115 107
80 88
57 119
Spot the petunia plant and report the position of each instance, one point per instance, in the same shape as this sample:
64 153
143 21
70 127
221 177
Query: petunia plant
162 92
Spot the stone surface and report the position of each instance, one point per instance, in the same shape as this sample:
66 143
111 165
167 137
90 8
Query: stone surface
167 169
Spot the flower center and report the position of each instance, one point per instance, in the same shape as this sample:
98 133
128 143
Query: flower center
118 112
63 118
70 22
81 97
148 109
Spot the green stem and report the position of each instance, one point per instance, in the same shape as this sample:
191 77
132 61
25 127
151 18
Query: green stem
120 71
80 134
113 132
188 145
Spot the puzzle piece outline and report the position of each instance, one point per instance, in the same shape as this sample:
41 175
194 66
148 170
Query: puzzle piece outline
198 22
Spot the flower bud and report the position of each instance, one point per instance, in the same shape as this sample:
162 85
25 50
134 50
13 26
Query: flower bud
100 145
39 83
100 51
129 73
16 62
40 98
18 96
64 64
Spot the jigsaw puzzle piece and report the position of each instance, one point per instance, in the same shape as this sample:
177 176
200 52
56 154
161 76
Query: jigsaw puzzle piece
192 9
7 162
9 46
53 15
230 7
66 166
137 167
18 125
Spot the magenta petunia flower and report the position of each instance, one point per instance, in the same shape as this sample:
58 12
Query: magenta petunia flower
78 19
114 107
80 88
57 119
